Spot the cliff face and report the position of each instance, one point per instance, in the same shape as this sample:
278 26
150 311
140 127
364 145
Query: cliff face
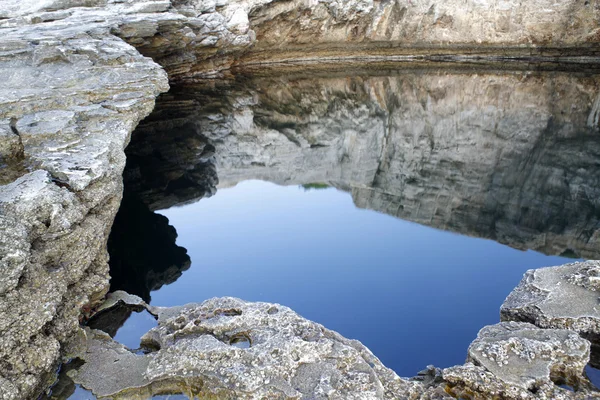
70 95
216 34
422 23
494 155
205 37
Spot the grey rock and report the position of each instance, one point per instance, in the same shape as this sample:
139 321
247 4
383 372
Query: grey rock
74 87
114 299
233 349
526 356
477 383
563 297
70 96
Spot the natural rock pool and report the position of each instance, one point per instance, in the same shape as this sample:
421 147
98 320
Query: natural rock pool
397 207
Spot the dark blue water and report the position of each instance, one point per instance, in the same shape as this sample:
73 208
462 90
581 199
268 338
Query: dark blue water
413 294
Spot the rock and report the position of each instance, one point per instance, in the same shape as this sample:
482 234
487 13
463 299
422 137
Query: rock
563 297
120 297
71 95
476 383
202 38
75 84
524 355
234 349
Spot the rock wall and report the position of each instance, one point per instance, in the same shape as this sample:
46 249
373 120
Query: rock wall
205 37
70 95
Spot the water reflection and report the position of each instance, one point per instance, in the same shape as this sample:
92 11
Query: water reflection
143 253
512 157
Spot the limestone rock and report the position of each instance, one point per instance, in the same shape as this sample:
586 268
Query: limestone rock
477 383
70 96
563 297
240 350
524 355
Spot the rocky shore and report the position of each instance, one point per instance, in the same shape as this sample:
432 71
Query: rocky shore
79 75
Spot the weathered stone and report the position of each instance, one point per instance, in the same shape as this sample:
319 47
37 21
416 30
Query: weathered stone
476 383
563 297
70 95
234 349
202 38
114 299
72 90
524 355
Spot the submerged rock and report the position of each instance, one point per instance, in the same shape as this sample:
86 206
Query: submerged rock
233 349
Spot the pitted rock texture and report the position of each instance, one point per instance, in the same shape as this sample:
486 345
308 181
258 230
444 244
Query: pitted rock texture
70 96
559 297
526 356
473 382
492 155
232 349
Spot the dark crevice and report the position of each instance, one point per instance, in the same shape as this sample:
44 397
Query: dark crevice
13 126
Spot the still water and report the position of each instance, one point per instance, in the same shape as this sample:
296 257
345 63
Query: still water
413 294
397 207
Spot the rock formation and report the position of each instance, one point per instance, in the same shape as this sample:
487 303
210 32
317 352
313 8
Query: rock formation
232 349
559 297
74 87
69 98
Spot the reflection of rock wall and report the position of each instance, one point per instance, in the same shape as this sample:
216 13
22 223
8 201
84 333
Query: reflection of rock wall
143 253
168 169
509 157
514 162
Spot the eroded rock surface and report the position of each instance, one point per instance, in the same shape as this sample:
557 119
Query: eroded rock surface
73 89
70 96
527 360
234 349
477 383
559 297
204 37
